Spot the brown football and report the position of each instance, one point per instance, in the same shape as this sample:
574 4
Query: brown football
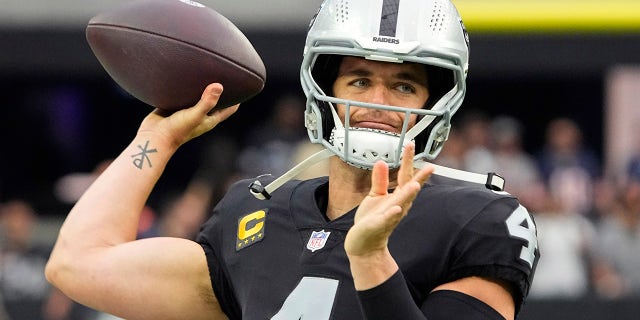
165 52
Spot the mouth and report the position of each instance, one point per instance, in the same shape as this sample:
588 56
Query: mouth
375 125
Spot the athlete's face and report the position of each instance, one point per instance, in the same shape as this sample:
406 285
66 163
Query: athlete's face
395 84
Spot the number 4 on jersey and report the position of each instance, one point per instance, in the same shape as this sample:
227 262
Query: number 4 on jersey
312 299
521 226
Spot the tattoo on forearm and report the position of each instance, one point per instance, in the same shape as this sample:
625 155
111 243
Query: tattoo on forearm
139 158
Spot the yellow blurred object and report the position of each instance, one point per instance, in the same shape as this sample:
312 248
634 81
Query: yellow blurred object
550 16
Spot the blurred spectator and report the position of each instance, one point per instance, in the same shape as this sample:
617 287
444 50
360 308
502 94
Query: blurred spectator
633 169
519 168
568 166
573 189
270 147
565 240
218 167
25 291
606 193
618 243
479 158
564 147
70 187
453 155
454 151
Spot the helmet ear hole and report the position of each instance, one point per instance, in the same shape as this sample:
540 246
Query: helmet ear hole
327 119
434 137
422 138
440 81
325 71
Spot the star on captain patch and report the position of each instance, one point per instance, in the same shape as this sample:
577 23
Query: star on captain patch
317 240
250 229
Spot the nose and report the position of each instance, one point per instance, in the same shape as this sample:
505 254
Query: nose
378 95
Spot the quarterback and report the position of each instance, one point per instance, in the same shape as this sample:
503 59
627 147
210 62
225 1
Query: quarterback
373 240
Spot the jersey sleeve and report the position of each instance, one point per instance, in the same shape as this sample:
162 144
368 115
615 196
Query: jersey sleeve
210 238
498 242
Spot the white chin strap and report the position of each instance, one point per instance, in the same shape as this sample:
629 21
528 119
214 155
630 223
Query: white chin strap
491 180
264 192
366 146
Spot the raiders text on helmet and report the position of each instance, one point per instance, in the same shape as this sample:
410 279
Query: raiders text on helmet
385 39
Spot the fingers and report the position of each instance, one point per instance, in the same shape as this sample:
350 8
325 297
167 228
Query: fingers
423 175
207 103
379 179
405 174
185 124
409 181
209 98
223 114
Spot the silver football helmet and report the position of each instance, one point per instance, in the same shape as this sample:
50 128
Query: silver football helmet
428 32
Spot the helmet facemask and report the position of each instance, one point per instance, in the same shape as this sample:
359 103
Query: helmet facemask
362 147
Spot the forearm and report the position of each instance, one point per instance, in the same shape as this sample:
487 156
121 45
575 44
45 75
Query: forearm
109 210
390 300
393 300
383 293
107 214
382 290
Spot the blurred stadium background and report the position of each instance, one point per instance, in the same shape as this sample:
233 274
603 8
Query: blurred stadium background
532 60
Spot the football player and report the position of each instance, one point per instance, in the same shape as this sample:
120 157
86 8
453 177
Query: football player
370 241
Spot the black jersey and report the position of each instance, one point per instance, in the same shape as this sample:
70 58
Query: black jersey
282 259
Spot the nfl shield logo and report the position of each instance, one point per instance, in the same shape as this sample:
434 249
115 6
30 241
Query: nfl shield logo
317 240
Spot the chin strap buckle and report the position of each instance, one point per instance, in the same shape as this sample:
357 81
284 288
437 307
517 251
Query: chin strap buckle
259 191
494 182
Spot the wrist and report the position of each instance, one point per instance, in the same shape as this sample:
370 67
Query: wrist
389 300
371 269
370 256
157 140
149 153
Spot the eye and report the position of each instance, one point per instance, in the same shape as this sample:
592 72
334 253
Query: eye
406 88
360 83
